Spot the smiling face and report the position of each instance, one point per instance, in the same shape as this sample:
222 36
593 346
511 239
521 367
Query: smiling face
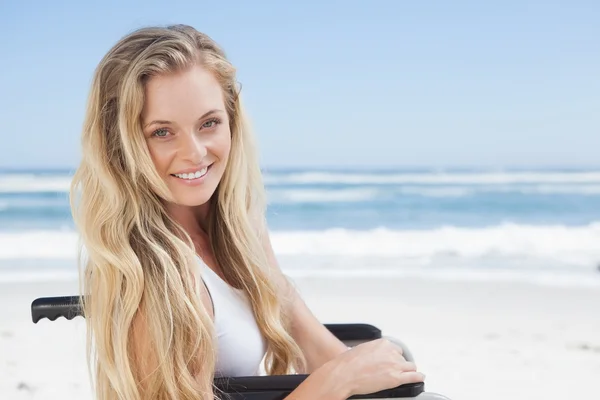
186 127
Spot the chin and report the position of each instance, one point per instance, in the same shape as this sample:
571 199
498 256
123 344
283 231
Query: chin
192 200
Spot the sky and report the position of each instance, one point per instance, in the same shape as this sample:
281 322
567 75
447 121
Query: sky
335 83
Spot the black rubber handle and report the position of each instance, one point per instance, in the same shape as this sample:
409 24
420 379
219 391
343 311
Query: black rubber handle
54 307
276 387
354 331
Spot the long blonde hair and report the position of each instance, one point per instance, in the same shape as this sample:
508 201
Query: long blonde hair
138 259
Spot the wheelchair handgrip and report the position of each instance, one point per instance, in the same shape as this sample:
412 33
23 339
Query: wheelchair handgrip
54 307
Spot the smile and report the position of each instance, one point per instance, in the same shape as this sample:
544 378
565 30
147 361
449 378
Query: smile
193 176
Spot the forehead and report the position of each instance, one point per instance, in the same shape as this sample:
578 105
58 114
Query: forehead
182 96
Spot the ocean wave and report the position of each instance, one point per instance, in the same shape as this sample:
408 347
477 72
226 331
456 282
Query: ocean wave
575 246
365 194
455 184
479 178
585 189
525 189
322 195
441 192
572 245
31 183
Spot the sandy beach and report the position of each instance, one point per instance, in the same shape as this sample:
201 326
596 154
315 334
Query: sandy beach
473 340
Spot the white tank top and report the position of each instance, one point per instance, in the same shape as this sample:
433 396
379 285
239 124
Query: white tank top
240 345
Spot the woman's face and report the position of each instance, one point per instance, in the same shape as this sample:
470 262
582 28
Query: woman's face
187 131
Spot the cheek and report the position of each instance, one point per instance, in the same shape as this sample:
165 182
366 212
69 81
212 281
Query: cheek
228 146
224 146
159 158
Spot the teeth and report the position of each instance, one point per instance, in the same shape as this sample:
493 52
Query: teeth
193 175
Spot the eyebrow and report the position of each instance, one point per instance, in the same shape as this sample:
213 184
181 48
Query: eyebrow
164 122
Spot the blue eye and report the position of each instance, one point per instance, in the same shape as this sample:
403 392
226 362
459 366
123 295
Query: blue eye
211 123
160 132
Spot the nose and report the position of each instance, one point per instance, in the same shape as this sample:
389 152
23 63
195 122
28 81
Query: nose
192 148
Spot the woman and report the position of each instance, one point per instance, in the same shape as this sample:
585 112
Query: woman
182 278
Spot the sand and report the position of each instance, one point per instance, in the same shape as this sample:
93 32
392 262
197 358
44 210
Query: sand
473 340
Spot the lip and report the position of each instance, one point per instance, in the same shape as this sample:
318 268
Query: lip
195 181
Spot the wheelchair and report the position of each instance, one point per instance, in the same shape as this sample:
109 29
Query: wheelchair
275 387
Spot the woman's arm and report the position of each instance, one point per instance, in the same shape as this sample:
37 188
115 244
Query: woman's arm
326 383
317 343
335 372
367 368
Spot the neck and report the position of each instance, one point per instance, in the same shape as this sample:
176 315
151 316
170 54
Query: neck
193 219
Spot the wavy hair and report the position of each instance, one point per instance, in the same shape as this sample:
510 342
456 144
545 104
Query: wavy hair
138 260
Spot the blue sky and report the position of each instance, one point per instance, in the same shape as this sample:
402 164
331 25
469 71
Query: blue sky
336 83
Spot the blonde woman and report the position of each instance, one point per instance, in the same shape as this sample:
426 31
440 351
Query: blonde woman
183 282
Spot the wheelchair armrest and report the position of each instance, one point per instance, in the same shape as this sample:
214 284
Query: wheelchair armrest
354 332
276 387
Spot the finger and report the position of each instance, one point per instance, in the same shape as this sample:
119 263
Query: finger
408 366
410 377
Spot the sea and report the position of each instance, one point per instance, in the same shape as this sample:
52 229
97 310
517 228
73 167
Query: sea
525 225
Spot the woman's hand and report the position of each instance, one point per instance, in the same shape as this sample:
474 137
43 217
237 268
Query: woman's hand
374 366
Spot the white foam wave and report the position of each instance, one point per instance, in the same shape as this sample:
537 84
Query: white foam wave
29 183
576 246
529 189
321 195
560 189
485 178
543 255
358 194
437 191
573 245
